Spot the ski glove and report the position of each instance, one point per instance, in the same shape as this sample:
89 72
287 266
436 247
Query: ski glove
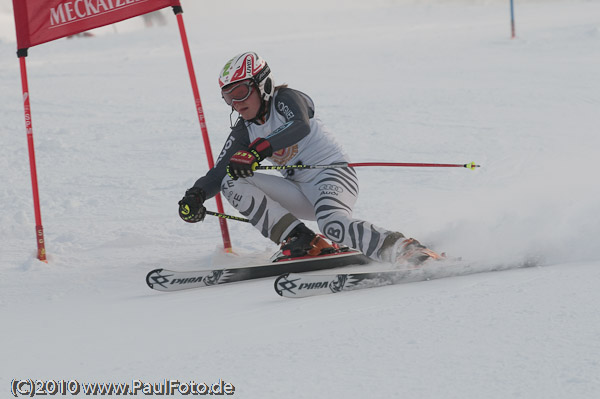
191 209
244 162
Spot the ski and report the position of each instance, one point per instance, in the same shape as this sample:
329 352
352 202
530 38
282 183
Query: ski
291 285
170 280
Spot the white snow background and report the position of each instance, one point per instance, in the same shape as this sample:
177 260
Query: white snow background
118 142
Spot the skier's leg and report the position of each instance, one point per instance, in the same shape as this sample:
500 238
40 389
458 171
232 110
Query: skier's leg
266 200
333 194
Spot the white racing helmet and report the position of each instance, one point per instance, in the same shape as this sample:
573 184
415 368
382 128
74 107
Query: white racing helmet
245 66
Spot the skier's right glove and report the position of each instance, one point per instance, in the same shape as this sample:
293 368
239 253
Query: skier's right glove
243 163
191 209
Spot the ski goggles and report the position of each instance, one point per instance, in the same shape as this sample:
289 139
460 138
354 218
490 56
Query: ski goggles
239 92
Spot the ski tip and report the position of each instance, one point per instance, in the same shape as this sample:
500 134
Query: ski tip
278 289
149 276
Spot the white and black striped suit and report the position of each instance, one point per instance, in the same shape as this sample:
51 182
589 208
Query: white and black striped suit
275 204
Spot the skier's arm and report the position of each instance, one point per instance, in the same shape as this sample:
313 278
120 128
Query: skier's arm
237 140
297 109
191 206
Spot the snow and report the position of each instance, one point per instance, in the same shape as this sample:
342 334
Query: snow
118 142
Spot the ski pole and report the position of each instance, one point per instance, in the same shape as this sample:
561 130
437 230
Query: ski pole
471 165
230 217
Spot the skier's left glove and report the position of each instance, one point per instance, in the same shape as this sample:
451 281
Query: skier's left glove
244 162
191 209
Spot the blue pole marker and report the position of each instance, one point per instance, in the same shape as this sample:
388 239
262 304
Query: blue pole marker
512 19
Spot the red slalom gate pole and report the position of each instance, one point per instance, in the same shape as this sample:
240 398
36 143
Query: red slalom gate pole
39 230
188 57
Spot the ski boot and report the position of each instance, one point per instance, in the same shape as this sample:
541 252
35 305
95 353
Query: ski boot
400 250
302 241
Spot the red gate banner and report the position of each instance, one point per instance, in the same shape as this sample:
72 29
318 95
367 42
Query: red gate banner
41 21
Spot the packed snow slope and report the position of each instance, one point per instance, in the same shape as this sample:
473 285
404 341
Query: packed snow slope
118 142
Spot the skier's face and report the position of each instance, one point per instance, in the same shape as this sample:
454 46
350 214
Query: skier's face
248 108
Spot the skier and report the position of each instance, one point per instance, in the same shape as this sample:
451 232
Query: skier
280 124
